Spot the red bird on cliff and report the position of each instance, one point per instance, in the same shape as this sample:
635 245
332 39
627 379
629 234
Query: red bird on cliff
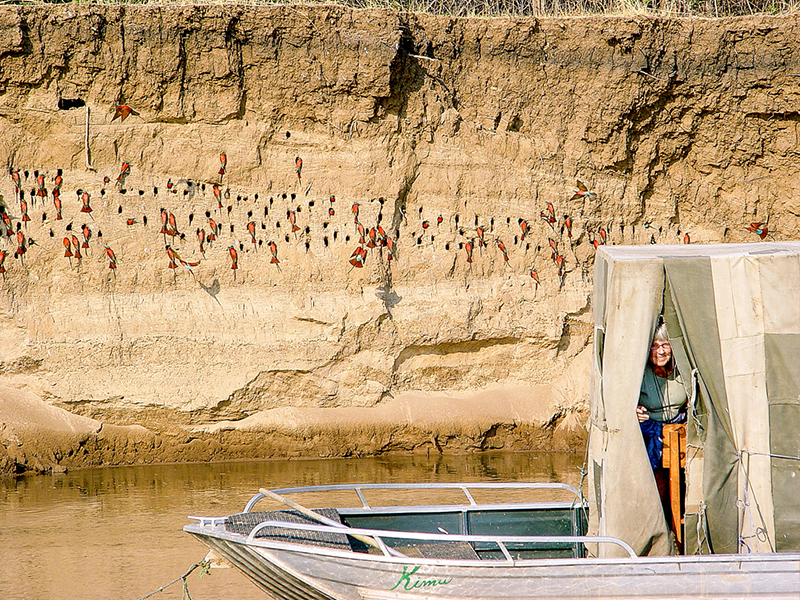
760 229
273 248
68 249
251 228
76 244
41 191
298 164
234 259
3 255
582 192
124 171
86 208
122 112
23 207
112 259
223 162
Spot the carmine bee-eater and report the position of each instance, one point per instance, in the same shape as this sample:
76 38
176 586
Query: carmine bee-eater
21 249
251 228
218 195
355 211
273 248
686 238
86 208
3 255
123 111
106 180
57 204
76 244
389 249
124 171
212 236
582 192
223 163
41 191
112 259
173 225
7 223
603 235
234 259
87 234
425 224
481 242
468 248
568 225
17 182
361 233
382 239
502 247
23 207
331 211
68 248
298 165
373 236
358 257
535 277
760 229
201 237
524 226
439 220
293 221
173 257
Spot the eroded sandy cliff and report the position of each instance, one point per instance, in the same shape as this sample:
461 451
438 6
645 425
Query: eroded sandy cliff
442 130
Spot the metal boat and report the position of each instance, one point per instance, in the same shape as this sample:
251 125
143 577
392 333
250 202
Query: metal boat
469 550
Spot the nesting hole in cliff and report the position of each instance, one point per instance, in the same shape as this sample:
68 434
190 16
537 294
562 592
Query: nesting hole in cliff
325 225
144 220
476 221
460 245
447 246
277 224
69 103
260 242
347 238
230 208
44 217
307 246
508 220
286 237
325 241
264 227
515 124
527 246
310 203
335 235
249 214
419 241
456 220
231 227
288 135
516 240
308 229
266 211
52 234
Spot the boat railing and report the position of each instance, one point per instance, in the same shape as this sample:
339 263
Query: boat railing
502 541
465 488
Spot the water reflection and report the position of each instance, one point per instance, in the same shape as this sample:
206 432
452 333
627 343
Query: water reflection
115 533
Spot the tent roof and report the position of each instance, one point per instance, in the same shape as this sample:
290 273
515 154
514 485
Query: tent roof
628 253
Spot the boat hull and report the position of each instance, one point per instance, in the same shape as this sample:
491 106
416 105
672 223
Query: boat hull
291 572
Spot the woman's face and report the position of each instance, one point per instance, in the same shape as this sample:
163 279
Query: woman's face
660 353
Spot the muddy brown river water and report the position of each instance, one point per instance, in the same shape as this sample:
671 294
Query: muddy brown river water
115 533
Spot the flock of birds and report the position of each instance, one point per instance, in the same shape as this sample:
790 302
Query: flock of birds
31 189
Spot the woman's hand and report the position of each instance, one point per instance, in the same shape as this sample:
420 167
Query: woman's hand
641 414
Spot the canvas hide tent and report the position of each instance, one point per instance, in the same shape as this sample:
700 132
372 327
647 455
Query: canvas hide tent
733 316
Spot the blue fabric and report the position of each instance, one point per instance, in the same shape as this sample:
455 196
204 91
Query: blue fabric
653 441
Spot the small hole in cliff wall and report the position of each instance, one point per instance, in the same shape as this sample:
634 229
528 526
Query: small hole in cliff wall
308 229
460 245
420 211
347 238
335 235
527 246
141 192
413 234
203 186
191 218
231 227
307 246
183 236
299 208
44 217
491 223
431 239
516 241
456 220
144 220
255 197
380 217
264 227
68 103
288 135
123 191
241 246
515 125
68 227
508 220
283 196
99 233
293 197
266 211
59 172
155 191
447 246
119 210
260 242
208 214
238 198
249 214
245 199
325 225
419 241
52 234
476 220
277 224
102 192
286 237
325 241
311 204
230 208
25 173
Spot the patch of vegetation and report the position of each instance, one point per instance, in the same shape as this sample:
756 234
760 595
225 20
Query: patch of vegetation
498 8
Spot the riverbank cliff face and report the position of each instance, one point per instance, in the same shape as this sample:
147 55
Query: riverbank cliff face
457 319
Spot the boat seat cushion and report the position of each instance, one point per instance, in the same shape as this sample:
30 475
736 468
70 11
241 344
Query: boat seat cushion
245 522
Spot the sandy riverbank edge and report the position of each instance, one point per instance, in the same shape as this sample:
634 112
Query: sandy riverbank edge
38 437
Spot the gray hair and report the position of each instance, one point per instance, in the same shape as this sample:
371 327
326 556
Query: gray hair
661 334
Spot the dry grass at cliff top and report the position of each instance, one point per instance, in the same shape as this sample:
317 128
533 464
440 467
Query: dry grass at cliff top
495 8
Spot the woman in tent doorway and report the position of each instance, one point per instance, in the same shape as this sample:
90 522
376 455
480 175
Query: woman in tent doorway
662 399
